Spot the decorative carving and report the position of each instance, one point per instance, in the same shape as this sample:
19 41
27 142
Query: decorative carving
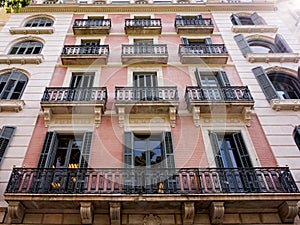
47 116
247 115
216 212
196 116
152 220
172 112
98 113
115 213
11 105
285 104
188 213
16 212
86 212
121 112
288 211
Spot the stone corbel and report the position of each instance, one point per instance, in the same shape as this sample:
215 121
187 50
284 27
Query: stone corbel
216 212
121 112
115 213
172 112
247 115
98 113
47 116
288 211
188 213
16 212
196 115
86 212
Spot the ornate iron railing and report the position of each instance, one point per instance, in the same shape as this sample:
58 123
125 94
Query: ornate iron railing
142 22
151 181
67 94
78 23
193 22
202 49
86 50
158 94
230 93
145 49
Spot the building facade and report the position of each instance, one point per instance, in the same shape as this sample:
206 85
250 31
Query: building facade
149 112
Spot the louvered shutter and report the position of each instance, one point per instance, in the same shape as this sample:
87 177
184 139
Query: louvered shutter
48 151
216 149
5 138
85 150
128 149
198 77
243 44
223 79
185 41
168 151
242 150
235 19
265 83
257 20
282 45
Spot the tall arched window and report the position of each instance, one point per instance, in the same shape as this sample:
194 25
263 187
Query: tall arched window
12 85
27 47
39 22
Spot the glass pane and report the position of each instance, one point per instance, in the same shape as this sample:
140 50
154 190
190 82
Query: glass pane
60 158
139 157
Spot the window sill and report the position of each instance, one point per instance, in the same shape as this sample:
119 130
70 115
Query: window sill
31 30
11 105
285 104
21 59
254 28
273 57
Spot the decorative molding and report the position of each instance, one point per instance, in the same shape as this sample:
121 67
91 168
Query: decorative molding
21 59
273 57
288 211
188 213
216 212
11 105
98 113
115 213
285 104
47 116
121 112
254 28
86 212
247 115
31 30
172 113
16 211
196 115
152 220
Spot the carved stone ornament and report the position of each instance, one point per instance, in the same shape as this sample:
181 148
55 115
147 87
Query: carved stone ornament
115 213
16 212
188 213
152 220
216 212
86 212
288 211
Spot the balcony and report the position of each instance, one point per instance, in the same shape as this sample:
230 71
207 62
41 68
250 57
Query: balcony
202 53
149 100
84 55
224 100
78 105
194 26
93 190
144 54
91 26
143 26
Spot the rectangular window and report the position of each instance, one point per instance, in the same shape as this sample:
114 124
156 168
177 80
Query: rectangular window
6 135
144 79
82 80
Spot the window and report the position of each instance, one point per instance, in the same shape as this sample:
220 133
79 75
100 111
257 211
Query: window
277 84
144 79
39 22
253 19
296 135
80 80
12 85
5 138
186 41
92 42
262 46
27 47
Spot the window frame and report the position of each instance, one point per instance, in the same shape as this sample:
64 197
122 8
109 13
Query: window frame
6 136
38 21
31 47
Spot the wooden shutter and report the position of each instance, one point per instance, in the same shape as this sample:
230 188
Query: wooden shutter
198 77
85 150
128 149
257 20
48 151
243 44
242 149
223 79
185 41
235 19
265 83
208 41
281 44
216 149
167 145
5 138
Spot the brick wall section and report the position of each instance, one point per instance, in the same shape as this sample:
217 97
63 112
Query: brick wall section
261 145
167 21
58 77
115 47
118 22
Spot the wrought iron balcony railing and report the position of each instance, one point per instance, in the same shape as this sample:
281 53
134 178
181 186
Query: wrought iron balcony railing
142 22
92 23
231 93
152 94
151 181
86 50
202 49
67 94
194 22
145 49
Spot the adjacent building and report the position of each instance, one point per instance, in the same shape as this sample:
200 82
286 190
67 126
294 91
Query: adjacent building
149 112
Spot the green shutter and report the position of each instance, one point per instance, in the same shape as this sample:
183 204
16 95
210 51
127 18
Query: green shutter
48 151
5 138
198 77
85 150
243 44
223 79
282 45
128 149
257 20
167 145
216 149
242 150
265 83
235 19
